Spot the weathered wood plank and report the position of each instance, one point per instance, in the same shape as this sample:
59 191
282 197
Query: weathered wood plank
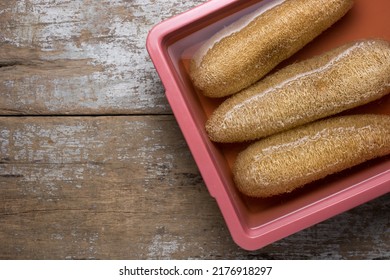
98 187
109 36
127 188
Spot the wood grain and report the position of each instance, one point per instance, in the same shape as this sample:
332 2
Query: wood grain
121 185
127 188
108 36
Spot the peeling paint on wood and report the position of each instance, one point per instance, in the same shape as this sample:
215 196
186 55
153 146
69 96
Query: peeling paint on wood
127 188
110 35
93 172
118 187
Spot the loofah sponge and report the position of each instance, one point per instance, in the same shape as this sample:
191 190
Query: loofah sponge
346 77
247 50
288 160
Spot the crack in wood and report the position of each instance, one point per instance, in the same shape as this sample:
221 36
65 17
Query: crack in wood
7 64
11 175
40 211
28 61
66 210
13 63
52 68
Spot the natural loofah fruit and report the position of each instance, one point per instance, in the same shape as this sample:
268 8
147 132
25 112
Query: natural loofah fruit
289 160
346 77
244 52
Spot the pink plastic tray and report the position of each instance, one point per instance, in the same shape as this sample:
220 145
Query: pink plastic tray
254 223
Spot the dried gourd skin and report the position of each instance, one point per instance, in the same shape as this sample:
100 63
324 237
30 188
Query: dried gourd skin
346 77
247 50
286 161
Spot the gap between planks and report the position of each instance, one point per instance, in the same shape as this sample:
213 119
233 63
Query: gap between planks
87 115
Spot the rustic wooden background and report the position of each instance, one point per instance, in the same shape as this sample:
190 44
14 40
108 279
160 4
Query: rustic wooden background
92 162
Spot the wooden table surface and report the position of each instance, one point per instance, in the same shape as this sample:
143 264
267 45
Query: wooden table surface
92 162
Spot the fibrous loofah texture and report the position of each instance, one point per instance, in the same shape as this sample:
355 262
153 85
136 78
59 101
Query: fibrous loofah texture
246 51
346 77
288 160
